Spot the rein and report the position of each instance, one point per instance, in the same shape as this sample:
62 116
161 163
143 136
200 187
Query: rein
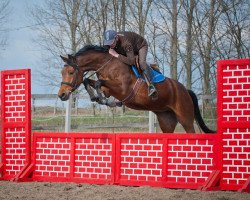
104 65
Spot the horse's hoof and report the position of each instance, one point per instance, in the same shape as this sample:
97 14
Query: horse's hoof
102 101
94 99
119 104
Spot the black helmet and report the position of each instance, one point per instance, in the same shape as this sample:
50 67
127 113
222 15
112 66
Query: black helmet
109 37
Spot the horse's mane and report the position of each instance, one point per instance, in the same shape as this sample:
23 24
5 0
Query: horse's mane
91 47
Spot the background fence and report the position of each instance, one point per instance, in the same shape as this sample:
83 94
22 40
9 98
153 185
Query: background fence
48 114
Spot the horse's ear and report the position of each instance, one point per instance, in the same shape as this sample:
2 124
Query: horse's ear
65 59
72 58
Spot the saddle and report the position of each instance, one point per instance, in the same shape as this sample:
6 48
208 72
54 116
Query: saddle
156 75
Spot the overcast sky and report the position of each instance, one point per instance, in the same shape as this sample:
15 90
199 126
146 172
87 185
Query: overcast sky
21 52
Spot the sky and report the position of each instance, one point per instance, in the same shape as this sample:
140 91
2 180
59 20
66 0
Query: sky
21 52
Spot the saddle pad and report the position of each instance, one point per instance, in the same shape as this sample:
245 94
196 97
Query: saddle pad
157 77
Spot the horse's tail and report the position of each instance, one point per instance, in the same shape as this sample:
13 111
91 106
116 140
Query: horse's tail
197 114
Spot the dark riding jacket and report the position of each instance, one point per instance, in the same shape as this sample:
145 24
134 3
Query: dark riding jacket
128 46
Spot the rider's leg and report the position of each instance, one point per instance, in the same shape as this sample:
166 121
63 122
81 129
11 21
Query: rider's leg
146 70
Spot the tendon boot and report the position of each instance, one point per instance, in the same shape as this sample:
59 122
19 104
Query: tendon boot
152 92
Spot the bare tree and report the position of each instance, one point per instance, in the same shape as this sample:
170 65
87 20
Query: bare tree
174 41
189 6
4 15
169 11
139 12
59 24
236 20
119 15
190 33
205 23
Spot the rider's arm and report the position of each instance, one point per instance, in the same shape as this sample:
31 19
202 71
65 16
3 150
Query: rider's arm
130 56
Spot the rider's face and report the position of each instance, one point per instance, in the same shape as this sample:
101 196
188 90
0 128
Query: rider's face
114 43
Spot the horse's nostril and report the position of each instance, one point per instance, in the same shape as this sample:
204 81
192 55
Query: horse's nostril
61 96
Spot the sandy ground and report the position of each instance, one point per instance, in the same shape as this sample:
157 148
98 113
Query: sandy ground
63 191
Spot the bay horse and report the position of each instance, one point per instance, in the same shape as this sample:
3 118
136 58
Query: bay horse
174 103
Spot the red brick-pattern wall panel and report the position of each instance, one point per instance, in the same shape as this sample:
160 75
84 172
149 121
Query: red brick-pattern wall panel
73 157
93 158
189 160
233 121
141 159
15 150
16 121
52 157
236 156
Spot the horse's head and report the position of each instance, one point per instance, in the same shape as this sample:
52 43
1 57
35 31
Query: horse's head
89 58
72 77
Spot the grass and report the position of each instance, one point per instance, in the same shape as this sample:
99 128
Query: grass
129 120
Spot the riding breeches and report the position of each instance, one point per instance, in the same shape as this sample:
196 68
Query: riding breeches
143 60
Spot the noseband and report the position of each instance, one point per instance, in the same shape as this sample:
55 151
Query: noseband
74 83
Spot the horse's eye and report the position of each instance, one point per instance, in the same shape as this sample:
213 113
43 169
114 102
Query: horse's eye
71 73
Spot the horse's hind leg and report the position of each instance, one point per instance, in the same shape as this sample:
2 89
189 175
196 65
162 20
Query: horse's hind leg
167 121
189 127
187 121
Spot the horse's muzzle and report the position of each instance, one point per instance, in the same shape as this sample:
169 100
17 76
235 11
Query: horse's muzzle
64 96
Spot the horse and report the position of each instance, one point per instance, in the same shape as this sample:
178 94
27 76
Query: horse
174 103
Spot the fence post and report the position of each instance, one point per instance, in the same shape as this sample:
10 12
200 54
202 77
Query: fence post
151 122
68 115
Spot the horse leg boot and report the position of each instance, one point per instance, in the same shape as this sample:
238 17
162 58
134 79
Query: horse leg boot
152 92
101 97
90 91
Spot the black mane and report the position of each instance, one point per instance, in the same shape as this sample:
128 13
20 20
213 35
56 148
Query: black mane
91 47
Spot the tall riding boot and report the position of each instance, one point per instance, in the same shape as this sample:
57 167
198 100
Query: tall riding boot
151 88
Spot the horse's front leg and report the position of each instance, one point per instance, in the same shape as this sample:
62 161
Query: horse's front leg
101 96
89 84
109 101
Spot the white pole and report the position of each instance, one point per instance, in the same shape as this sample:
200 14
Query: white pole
68 115
151 122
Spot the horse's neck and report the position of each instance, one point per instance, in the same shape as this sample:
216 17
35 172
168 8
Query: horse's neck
121 79
105 63
116 68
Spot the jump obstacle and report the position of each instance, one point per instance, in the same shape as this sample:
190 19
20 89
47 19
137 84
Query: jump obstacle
196 161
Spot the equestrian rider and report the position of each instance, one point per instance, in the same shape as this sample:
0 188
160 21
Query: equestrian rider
125 46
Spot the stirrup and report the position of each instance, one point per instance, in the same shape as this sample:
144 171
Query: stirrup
152 91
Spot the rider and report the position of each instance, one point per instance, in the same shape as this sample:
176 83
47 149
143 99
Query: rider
125 46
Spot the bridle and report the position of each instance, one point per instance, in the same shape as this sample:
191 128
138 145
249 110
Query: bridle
74 83
77 70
